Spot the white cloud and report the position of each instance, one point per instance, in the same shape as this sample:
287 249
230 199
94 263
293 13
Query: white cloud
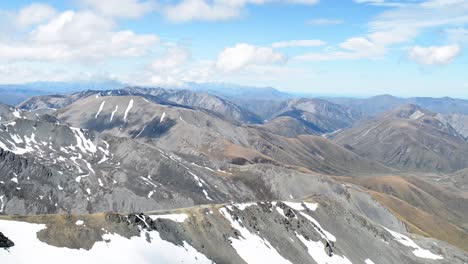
64 27
399 25
434 55
207 10
298 43
34 14
324 22
173 69
188 10
442 3
243 55
121 8
351 49
79 36
172 60
363 46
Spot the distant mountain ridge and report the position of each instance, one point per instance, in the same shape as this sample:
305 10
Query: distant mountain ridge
408 137
14 94
375 105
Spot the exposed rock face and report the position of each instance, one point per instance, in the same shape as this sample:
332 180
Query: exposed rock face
5 242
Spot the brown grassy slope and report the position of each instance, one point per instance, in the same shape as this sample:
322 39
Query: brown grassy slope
427 209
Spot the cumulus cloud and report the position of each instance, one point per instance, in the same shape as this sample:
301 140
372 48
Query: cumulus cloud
121 8
173 59
298 43
363 46
434 55
201 10
57 39
34 14
243 55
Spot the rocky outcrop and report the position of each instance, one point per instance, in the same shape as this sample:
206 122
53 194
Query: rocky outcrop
5 242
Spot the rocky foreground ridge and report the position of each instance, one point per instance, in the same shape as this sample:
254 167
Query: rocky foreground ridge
306 231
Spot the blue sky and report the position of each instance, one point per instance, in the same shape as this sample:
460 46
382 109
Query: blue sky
345 47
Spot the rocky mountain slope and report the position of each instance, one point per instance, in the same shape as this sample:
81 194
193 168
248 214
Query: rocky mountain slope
206 101
320 116
277 232
409 138
428 208
288 126
198 132
53 168
217 186
457 121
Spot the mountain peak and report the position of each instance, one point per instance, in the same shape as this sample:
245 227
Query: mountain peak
408 111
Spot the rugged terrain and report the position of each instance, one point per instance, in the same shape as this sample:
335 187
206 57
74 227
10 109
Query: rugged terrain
277 232
187 176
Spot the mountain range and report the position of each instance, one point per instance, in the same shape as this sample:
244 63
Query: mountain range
232 176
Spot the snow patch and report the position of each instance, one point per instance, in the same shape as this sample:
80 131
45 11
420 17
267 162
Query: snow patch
78 179
162 117
17 113
250 247
242 206
113 113
130 105
206 195
179 218
416 115
280 211
316 250
83 143
418 251
29 249
295 206
311 206
100 109
3 204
